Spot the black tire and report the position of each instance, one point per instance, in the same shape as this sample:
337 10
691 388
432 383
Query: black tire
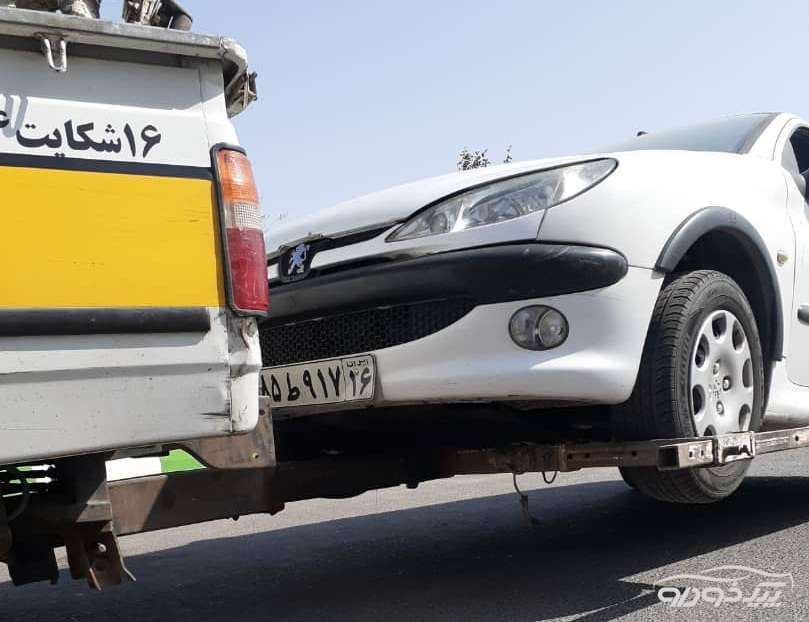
660 405
627 474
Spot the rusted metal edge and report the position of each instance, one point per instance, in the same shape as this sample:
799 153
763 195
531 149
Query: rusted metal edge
159 502
254 450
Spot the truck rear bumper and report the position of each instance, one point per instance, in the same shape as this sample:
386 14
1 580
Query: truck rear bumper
99 393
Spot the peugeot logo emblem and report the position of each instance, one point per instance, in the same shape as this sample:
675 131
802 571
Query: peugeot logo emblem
296 262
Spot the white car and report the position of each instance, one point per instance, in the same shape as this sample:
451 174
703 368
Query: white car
657 289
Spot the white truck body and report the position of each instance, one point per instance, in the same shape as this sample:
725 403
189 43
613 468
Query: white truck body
115 330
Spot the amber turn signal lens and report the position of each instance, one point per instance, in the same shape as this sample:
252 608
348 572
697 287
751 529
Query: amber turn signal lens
244 235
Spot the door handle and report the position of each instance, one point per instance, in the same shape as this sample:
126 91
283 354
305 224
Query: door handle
803 314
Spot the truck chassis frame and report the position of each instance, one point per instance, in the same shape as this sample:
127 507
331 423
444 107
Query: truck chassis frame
243 477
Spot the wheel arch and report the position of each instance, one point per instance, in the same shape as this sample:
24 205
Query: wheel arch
693 245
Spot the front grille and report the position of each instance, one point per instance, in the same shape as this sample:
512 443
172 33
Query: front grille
358 332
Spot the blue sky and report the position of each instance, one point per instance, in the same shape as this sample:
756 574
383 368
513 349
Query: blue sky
360 95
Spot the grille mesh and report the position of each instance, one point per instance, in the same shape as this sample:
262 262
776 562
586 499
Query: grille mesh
358 332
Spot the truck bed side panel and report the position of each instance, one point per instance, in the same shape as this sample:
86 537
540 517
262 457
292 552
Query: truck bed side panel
108 210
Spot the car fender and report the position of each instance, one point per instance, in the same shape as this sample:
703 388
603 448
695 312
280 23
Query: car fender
716 218
657 203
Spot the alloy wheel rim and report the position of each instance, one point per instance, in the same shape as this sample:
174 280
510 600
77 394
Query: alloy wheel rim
721 376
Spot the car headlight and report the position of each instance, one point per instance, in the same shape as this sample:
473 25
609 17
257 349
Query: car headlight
504 200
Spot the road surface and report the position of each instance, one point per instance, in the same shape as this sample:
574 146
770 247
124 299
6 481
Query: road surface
458 549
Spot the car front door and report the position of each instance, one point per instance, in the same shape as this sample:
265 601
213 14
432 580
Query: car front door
795 160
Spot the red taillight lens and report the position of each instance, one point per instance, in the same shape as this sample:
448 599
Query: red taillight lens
241 214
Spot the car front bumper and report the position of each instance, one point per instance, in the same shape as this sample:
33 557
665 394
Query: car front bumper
484 275
473 359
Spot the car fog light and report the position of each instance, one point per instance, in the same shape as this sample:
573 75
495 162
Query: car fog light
538 328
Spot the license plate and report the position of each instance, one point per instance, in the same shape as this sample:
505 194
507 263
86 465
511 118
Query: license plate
323 382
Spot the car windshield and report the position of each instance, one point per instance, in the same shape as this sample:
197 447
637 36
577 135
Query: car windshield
730 135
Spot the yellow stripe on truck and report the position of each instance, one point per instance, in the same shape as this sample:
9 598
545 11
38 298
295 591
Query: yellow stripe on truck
98 239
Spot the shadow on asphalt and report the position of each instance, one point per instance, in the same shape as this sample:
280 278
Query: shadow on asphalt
472 559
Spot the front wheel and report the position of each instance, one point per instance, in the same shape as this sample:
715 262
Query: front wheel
701 374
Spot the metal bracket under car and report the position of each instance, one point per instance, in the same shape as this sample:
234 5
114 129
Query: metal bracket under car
74 510
150 503
87 514
664 454
71 503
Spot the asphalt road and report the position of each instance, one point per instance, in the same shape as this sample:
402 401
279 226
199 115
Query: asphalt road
459 549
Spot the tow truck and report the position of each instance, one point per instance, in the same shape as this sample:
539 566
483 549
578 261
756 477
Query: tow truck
128 313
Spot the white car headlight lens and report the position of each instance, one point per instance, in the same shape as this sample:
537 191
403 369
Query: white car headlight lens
504 200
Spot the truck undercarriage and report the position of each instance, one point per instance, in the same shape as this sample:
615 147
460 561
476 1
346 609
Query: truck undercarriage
70 503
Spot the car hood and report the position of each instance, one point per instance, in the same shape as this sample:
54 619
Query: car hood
396 204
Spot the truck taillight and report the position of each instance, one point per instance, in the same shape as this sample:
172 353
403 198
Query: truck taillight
244 237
